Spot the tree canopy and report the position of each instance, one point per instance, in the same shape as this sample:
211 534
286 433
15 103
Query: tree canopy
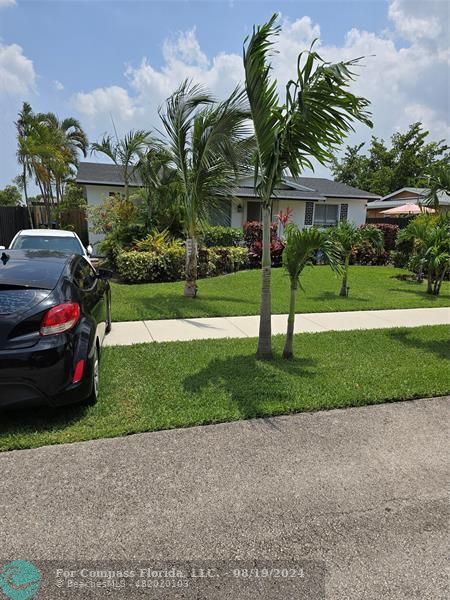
385 169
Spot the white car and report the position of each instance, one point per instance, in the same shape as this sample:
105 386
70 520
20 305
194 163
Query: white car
58 240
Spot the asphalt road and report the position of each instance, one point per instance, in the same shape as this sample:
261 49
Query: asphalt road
359 492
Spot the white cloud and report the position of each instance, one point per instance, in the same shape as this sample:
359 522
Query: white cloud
17 74
405 82
110 101
5 3
58 85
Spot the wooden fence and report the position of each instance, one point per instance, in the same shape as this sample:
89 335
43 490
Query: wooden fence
15 218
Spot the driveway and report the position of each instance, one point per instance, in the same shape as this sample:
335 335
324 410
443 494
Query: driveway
359 492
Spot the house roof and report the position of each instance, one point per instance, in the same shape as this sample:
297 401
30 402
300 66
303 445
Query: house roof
103 174
292 188
417 195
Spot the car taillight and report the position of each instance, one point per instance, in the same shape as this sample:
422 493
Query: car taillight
60 318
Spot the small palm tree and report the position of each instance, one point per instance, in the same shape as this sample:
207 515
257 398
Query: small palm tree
209 146
300 250
431 254
347 237
315 117
124 152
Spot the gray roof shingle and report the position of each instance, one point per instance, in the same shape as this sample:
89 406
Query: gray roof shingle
301 188
103 174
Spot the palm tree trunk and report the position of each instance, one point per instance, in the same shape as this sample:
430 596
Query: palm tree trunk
439 283
430 281
25 192
288 351
265 326
344 287
190 288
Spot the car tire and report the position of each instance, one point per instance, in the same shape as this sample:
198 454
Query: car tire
93 396
108 316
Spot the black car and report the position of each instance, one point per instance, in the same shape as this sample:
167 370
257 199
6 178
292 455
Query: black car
55 310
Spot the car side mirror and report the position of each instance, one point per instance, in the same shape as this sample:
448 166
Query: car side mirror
104 273
89 250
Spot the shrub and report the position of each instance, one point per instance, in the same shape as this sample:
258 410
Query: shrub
140 267
253 240
157 241
215 236
390 233
365 254
253 232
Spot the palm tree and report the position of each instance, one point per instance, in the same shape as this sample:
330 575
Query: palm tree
347 237
124 152
438 182
300 251
315 118
72 140
431 237
160 183
48 150
24 125
208 143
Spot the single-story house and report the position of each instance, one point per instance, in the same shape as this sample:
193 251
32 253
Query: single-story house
312 200
406 195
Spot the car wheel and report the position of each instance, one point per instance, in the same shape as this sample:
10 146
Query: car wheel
93 397
108 316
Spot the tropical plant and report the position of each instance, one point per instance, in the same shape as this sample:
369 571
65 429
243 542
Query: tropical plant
48 151
161 189
208 144
315 118
438 181
300 251
347 237
124 152
430 235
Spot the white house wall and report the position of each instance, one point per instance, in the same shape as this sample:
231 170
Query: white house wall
356 210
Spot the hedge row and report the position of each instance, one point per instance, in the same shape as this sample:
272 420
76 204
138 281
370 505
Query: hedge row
145 267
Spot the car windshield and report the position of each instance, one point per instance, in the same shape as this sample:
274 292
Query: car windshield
50 242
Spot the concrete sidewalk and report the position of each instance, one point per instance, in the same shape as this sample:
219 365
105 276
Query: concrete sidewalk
170 330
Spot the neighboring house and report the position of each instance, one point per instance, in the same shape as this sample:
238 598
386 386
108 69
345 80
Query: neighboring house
406 195
312 200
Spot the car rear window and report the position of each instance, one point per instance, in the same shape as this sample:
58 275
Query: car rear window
42 274
12 300
48 242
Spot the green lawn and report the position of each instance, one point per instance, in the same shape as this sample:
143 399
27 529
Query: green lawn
157 386
238 294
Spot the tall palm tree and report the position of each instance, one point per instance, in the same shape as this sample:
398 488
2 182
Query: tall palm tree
317 114
209 145
124 152
24 125
347 237
299 252
70 138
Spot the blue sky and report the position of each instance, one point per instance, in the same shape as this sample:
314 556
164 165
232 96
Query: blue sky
97 59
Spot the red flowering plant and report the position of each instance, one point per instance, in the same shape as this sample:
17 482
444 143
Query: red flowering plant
253 240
